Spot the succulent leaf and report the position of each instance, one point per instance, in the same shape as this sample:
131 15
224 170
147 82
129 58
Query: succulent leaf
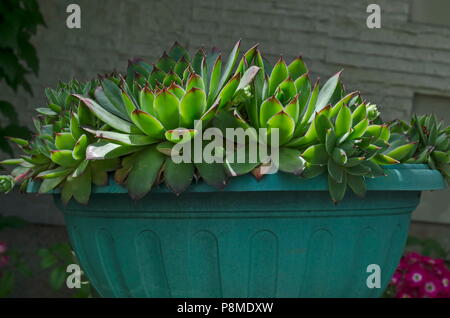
192 107
213 174
316 154
357 184
297 68
64 141
63 158
285 125
326 92
178 176
291 161
105 116
269 107
145 166
343 121
337 189
148 124
279 73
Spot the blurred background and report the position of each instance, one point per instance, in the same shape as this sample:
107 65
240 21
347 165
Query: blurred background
403 67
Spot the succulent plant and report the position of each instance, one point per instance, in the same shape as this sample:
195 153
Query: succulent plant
321 130
424 140
156 107
130 124
57 153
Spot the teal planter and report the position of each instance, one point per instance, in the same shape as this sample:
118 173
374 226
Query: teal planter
279 237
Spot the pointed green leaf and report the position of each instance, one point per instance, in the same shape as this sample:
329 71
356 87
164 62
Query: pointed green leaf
178 52
343 121
55 173
246 59
316 154
335 171
192 107
166 63
336 189
46 112
312 171
113 96
339 156
359 114
64 141
148 124
357 184
279 73
327 91
297 68
311 105
79 150
81 168
146 99
269 107
128 102
330 140
179 176
232 58
63 158
292 108
144 171
49 184
167 109
322 123
384 160
79 188
177 90
291 161
359 129
156 76
403 151
228 91
285 125
344 101
215 78
213 174
105 116
359 170
303 86
75 128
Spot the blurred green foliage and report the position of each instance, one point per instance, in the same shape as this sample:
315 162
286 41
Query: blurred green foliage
19 20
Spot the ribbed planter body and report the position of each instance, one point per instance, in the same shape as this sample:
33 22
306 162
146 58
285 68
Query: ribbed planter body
279 237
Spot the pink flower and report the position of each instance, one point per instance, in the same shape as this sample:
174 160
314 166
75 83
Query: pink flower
431 288
416 275
3 247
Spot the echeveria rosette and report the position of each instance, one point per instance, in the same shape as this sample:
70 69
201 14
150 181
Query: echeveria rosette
279 100
321 130
156 107
422 141
56 154
348 148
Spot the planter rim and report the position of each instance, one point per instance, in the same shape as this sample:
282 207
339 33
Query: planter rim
401 177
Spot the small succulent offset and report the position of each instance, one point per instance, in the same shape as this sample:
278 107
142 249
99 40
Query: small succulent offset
423 140
129 123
